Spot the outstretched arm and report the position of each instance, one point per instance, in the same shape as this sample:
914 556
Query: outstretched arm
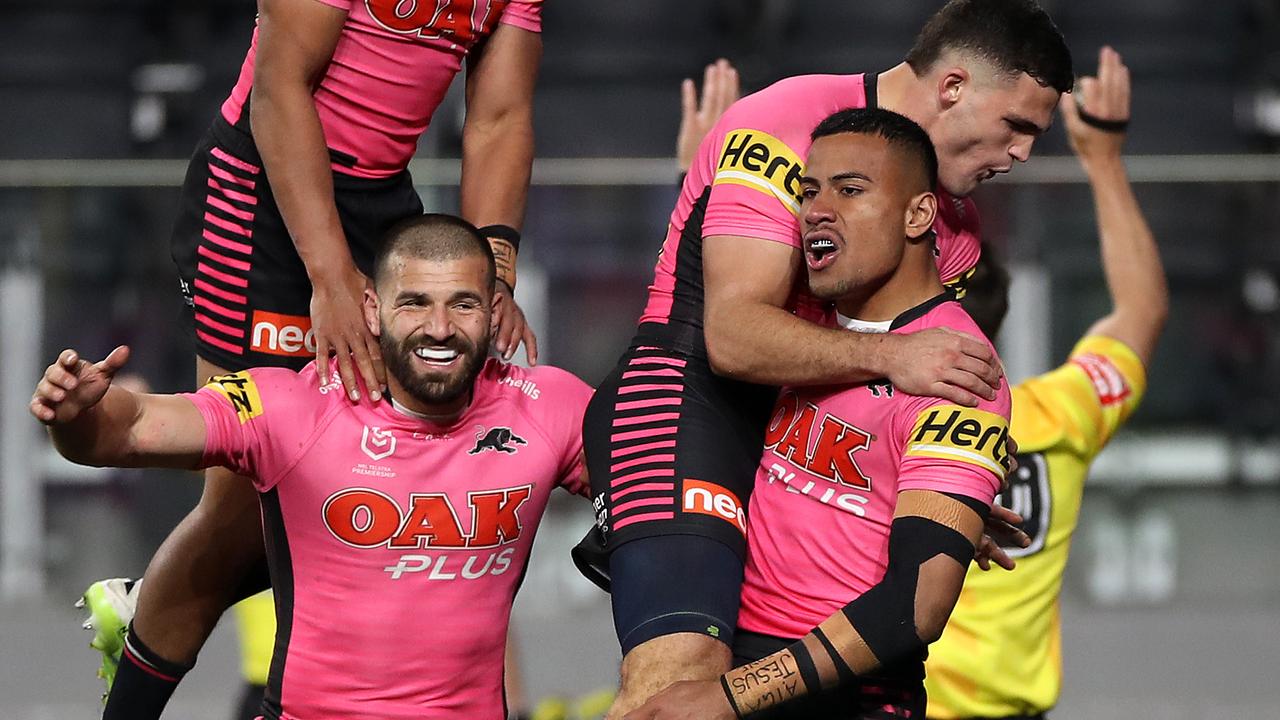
1130 257
92 422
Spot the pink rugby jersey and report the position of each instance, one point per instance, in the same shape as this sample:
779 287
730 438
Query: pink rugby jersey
833 465
395 545
745 181
390 70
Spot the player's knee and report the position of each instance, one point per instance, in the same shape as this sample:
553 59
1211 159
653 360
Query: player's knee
671 658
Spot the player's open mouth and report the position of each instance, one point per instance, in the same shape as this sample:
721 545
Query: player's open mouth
820 249
437 357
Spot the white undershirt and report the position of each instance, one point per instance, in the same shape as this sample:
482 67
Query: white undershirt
863 326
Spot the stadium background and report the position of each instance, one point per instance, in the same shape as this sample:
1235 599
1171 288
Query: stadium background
1172 601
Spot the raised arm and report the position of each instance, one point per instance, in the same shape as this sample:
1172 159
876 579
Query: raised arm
296 39
93 423
497 156
1130 257
751 337
930 544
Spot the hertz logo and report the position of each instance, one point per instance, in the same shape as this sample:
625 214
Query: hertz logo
951 432
240 390
763 163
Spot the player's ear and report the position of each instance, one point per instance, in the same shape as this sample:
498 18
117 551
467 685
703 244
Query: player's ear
371 318
921 211
952 83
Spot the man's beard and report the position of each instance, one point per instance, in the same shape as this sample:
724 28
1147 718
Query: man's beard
433 388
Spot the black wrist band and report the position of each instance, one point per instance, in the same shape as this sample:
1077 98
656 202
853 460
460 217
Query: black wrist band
502 232
1115 126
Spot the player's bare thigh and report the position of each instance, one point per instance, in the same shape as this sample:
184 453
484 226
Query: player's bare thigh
655 664
195 573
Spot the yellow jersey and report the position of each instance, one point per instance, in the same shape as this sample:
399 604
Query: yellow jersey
256 623
1001 652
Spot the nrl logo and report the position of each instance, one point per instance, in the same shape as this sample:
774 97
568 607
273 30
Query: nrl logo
377 443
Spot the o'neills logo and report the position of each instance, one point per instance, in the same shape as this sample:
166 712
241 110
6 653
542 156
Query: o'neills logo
762 162
706 498
969 435
278 334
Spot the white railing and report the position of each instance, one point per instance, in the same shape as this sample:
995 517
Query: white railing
637 171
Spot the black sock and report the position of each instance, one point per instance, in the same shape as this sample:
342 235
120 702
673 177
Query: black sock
144 683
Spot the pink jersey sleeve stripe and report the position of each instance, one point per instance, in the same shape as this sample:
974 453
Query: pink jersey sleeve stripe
225 176
668 472
650 402
642 517
647 460
643 487
643 419
649 387
204 251
221 276
236 298
226 243
630 505
651 373
233 161
220 327
227 225
641 434
657 360
211 306
230 194
228 208
645 447
219 343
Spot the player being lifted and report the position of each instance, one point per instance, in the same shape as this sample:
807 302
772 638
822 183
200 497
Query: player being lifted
418 509
1001 654
301 173
868 501
673 434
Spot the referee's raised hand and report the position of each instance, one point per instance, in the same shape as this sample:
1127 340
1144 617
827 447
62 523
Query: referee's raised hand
1097 111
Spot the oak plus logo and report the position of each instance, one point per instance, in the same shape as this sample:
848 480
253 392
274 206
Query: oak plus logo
459 21
377 443
824 446
430 531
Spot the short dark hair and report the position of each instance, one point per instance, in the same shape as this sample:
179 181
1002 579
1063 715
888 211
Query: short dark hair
1017 36
900 132
986 293
433 236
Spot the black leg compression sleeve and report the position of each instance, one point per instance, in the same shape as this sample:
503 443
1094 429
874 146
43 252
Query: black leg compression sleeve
669 584
885 615
144 682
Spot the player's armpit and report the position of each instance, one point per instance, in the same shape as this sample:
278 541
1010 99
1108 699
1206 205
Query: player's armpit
930 544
